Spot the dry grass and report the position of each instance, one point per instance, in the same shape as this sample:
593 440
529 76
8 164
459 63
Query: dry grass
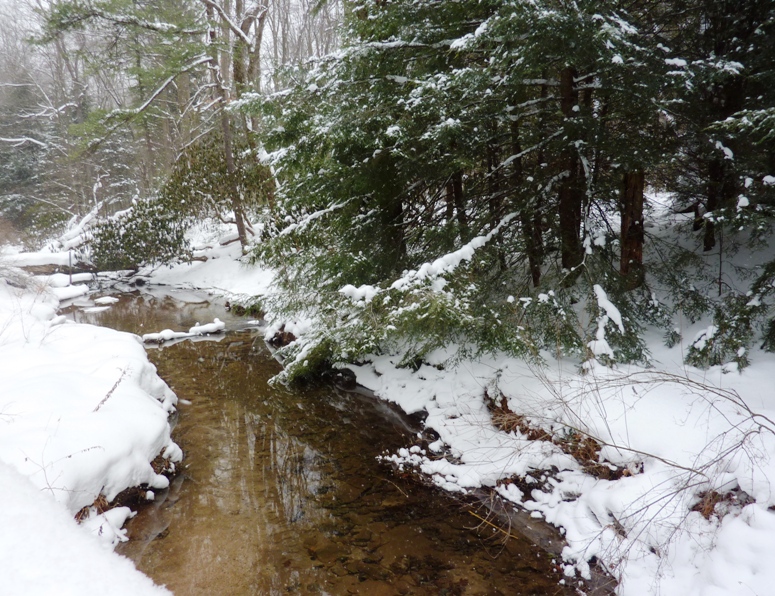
101 504
707 504
583 448
715 503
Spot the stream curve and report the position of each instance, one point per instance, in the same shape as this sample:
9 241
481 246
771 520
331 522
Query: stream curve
281 491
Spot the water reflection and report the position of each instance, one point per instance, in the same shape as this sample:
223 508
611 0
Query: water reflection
281 493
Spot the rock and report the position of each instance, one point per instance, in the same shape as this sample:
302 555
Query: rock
345 379
282 338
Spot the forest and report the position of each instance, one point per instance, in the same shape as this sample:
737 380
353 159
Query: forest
540 229
419 173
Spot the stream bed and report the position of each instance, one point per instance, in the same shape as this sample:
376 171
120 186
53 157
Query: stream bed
281 492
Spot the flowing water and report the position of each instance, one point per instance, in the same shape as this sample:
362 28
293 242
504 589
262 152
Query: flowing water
281 491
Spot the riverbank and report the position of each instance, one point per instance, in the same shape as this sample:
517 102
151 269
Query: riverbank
660 476
82 416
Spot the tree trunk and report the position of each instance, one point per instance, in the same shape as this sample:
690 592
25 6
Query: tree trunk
449 200
146 161
254 64
632 234
571 194
183 97
725 99
460 207
231 168
398 239
528 214
721 191
495 200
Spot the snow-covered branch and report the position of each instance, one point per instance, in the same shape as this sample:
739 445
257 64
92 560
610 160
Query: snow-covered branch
450 261
19 141
444 264
236 29
310 218
124 19
159 90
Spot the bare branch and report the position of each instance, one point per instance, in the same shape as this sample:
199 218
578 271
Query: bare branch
127 115
232 25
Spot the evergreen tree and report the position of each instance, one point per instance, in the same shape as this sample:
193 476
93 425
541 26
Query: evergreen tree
456 153
720 170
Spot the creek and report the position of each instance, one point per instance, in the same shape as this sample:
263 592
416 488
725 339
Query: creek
281 491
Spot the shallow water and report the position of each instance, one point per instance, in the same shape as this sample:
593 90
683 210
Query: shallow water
281 491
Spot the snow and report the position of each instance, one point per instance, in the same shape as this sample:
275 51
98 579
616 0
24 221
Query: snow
62 280
223 272
610 310
43 550
196 331
688 434
676 431
365 292
32 259
82 413
69 292
215 327
703 337
728 154
449 262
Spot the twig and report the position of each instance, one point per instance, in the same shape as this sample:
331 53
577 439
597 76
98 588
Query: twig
489 523
112 389
397 487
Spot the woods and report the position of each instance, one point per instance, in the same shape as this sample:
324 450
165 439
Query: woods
541 229
436 121
108 98
473 170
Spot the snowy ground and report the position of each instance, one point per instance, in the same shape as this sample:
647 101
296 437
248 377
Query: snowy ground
677 436
82 413
688 506
677 439
221 272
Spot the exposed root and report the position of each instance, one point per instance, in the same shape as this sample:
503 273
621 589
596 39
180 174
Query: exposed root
129 497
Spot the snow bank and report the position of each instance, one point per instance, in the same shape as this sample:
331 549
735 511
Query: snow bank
32 259
678 435
221 271
82 413
43 551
